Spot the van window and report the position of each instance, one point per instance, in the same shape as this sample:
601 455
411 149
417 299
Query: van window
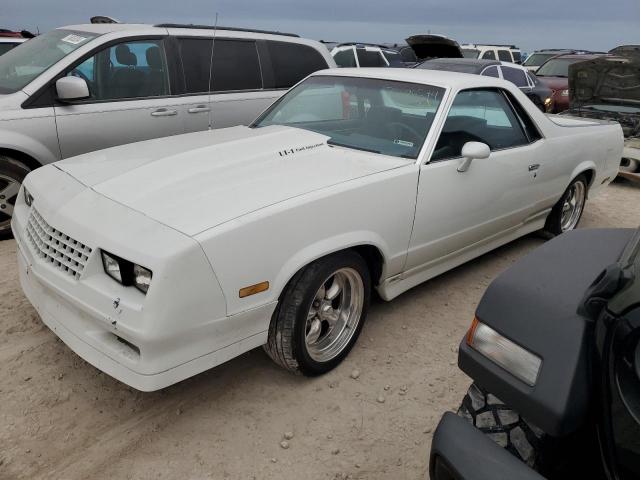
127 70
291 62
504 56
196 60
345 58
235 66
489 55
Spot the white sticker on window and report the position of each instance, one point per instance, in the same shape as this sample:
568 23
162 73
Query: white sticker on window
404 143
74 39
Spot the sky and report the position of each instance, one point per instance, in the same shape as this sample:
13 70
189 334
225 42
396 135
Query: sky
530 24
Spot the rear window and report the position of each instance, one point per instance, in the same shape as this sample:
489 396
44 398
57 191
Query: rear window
292 62
345 58
515 75
235 66
491 71
504 56
470 53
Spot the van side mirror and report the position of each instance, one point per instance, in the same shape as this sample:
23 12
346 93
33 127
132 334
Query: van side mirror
71 88
473 151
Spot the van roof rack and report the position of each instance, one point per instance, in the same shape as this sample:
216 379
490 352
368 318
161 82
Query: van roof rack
233 29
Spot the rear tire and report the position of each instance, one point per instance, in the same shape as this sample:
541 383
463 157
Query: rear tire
566 214
320 314
12 174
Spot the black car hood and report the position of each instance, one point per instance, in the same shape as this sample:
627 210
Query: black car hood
605 80
434 46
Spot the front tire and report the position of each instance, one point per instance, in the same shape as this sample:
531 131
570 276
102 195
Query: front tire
566 214
320 314
12 174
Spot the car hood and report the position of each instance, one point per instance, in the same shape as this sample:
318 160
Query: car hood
197 181
434 46
554 83
612 79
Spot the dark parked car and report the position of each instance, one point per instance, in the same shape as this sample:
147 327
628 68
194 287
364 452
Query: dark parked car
554 354
539 93
554 73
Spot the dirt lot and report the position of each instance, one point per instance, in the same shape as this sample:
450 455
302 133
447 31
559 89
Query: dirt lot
63 419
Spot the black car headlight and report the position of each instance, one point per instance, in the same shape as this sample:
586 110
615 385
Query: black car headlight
126 273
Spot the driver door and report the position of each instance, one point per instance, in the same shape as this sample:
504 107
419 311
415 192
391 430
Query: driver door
457 212
130 99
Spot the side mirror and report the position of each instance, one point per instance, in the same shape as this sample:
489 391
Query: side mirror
473 151
71 88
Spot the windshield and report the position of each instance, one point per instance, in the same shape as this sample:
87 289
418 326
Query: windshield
380 116
537 59
20 66
557 67
470 53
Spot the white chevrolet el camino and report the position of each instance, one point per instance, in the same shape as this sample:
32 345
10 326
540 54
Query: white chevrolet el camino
158 260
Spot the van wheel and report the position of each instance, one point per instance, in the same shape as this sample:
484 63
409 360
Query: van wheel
504 426
566 214
12 174
320 314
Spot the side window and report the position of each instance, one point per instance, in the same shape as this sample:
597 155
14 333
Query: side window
345 58
504 56
491 71
527 124
235 66
370 58
292 62
517 56
126 70
196 60
408 55
489 55
479 116
515 75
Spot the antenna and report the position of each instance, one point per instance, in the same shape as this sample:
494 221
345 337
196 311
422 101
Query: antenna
213 41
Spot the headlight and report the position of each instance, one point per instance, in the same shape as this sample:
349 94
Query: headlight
28 198
547 101
126 273
513 358
564 93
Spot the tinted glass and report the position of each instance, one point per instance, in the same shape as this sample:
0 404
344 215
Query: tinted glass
370 58
345 58
408 55
5 47
470 53
235 66
515 75
537 59
517 56
394 58
196 60
292 62
491 72
489 55
19 66
126 70
504 55
557 67
479 116
380 116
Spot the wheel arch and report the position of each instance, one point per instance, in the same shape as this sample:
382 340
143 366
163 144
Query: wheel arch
21 157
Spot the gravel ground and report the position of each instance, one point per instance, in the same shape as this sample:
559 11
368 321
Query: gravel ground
61 418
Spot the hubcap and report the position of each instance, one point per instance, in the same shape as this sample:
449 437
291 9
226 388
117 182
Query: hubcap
573 206
334 314
9 188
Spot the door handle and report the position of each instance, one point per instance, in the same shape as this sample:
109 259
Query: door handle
198 109
534 167
163 112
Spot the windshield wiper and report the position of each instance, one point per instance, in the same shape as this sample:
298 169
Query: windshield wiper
338 144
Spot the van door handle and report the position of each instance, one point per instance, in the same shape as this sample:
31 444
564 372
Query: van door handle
198 109
534 167
163 112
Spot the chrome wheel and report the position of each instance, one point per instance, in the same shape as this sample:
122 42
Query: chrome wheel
334 314
573 206
9 188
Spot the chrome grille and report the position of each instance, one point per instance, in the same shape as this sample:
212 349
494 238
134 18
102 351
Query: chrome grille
53 246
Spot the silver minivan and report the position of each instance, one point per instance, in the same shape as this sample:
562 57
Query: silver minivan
86 87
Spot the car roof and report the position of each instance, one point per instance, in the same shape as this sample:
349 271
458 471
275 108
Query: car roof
584 56
445 63
441 78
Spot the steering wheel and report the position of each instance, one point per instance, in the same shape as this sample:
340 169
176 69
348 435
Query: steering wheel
401 127
77 73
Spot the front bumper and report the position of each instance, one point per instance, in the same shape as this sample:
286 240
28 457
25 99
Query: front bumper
180 328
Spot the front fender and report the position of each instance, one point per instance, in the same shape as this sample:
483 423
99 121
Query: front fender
35 137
